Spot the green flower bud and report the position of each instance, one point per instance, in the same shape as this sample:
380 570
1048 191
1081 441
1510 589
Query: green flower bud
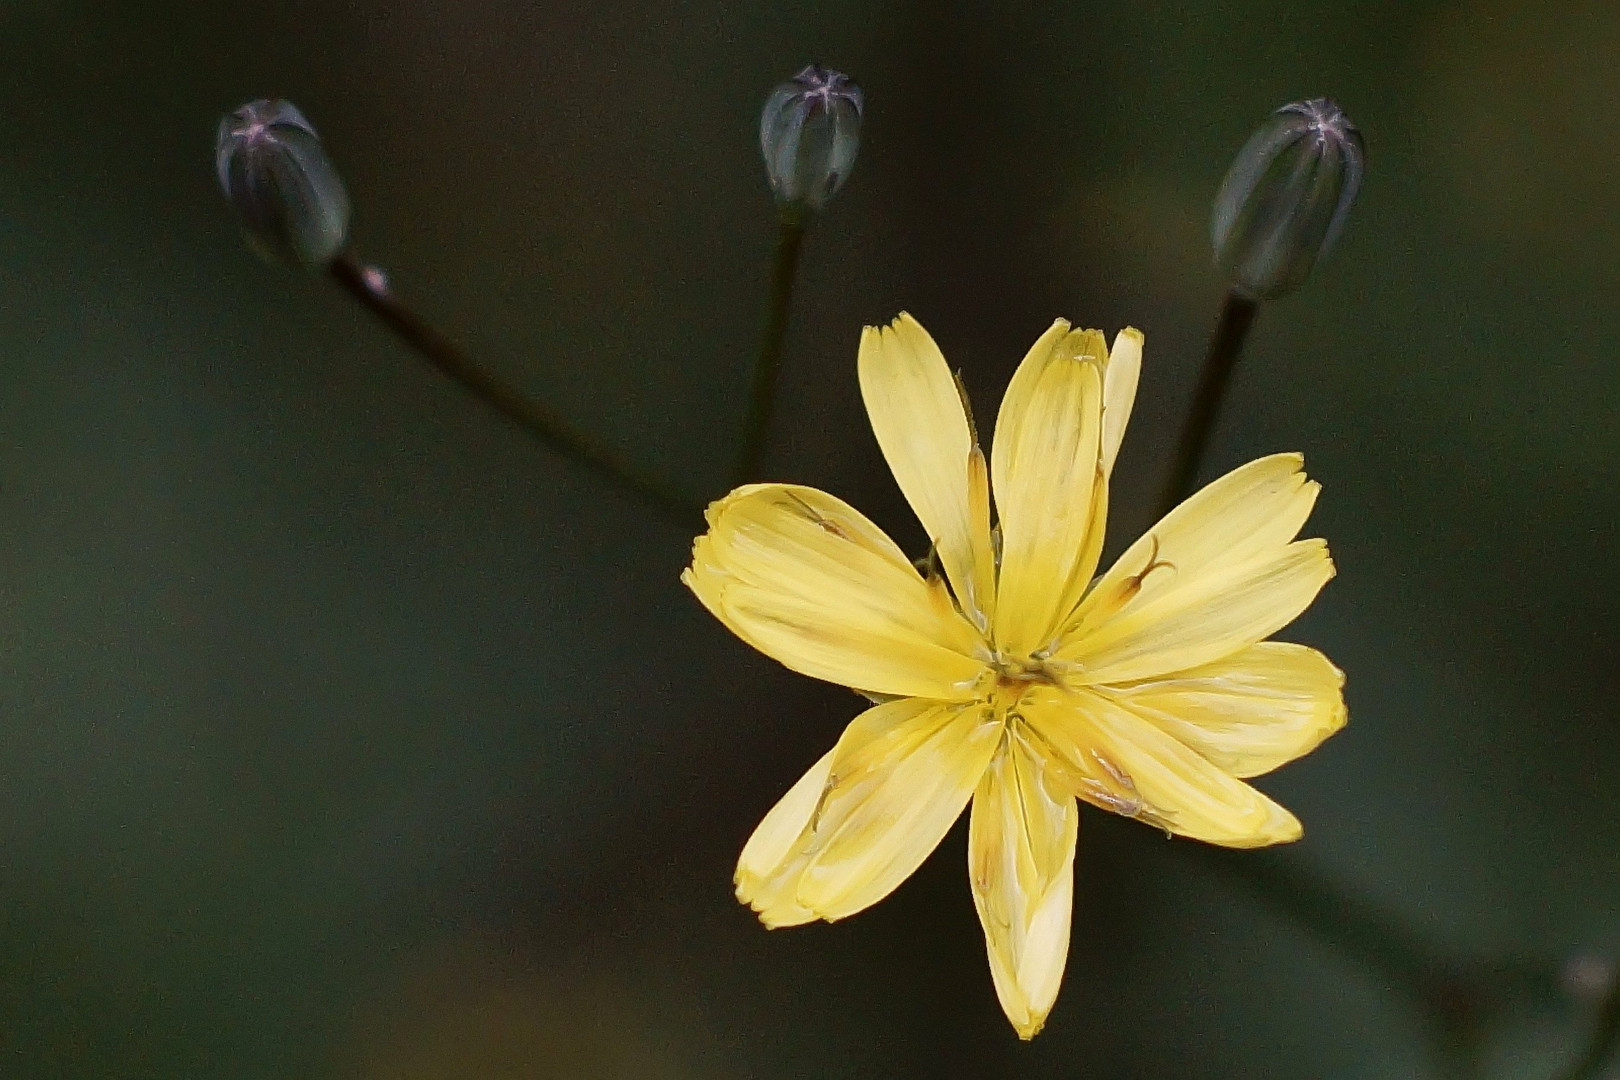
275 172
809 133
1286 197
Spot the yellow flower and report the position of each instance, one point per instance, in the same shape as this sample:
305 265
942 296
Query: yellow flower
1016 681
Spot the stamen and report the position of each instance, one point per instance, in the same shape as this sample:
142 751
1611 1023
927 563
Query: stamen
1119 775
1096 793
1133 584
1121 798
816 517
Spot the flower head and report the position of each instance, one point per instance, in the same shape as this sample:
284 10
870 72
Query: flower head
809 132
276 173
1015 681
1286 197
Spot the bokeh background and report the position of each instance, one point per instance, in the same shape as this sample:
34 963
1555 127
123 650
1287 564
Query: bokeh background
346 733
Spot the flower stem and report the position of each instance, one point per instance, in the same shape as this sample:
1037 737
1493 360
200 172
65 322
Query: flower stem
369 285
1456 994
789 240
1311 902
1601 1044
1225 345
1344 922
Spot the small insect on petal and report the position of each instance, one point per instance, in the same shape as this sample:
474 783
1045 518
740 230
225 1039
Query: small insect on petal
809 133
275 172
1286 197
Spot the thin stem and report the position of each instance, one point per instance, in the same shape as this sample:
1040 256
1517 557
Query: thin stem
1601 1044
1344 922
789 240
369 286
1437 983
1456 994
1225 345
1455 1025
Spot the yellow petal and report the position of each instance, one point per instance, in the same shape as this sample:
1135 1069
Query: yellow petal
1028 373
921 423
1021 841
1090 555
1249 512
772 860
804 578
1223 610
1045 466
1215 576
1173 786
902 773
1119 391
1247 713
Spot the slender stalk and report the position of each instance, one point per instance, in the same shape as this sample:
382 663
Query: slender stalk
784 269
1436 982
1456 1029
1601 1044
1443 987
1225 345
369 286
1341 921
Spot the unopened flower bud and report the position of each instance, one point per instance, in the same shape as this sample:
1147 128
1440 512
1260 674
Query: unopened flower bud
275 172
1286 197
809 133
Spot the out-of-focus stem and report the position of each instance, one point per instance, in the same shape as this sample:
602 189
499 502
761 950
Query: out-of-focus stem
1225 345
1601 1044
1344 922
1309 901
1445 989
784 270
369 285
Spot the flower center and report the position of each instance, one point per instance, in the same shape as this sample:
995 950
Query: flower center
1090 773
1008 678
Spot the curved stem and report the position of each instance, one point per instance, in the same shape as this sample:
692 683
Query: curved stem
1601 1044
1225 345
1341 921
789 241
1306 899
369 285
1457 995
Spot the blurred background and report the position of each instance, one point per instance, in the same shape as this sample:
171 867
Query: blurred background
345 733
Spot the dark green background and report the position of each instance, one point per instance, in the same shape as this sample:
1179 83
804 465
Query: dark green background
346 733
